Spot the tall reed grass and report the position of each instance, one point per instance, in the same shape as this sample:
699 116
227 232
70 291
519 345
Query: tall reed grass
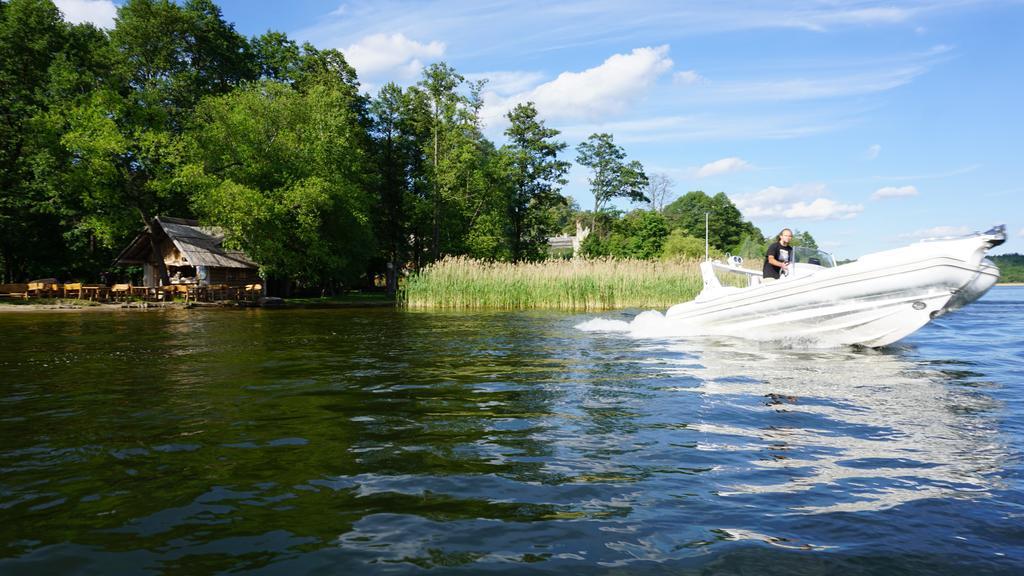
599 284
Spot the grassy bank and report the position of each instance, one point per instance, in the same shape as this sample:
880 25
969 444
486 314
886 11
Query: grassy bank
461 283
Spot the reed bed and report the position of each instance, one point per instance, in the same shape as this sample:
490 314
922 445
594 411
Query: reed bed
578 284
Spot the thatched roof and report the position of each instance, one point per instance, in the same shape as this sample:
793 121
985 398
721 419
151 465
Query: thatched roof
198 245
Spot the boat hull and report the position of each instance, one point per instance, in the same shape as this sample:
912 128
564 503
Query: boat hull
872 302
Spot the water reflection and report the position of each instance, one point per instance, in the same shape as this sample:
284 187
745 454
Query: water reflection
855 429
379 441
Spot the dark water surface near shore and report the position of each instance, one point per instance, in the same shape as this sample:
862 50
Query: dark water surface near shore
378 441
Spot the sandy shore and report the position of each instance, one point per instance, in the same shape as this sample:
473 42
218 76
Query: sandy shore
104 307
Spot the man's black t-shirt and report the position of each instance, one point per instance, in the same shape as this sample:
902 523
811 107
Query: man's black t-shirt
781 253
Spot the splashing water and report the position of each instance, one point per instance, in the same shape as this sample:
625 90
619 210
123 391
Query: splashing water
647 324
652 324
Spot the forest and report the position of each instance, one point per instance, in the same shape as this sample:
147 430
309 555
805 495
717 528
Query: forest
174 113
1011 267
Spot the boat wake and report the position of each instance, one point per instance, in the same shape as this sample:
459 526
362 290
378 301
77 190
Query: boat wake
647 324
653 325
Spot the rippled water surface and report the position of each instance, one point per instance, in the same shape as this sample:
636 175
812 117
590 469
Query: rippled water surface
376 441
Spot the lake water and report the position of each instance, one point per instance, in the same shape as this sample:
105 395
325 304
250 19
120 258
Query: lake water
376 441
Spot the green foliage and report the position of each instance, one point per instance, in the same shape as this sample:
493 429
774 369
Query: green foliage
751 247
281 172
679 245
803 238
46 66
726 227
1011 267
640 235
174 113
396 152
535 175
611 176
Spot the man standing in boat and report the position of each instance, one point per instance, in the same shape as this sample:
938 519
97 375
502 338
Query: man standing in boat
779 255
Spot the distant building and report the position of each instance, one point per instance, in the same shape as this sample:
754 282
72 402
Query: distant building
193 254
564 243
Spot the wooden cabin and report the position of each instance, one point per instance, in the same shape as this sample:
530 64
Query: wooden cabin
193 254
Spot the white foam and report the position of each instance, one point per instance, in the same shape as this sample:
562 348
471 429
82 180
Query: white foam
654 325
603 325
647 324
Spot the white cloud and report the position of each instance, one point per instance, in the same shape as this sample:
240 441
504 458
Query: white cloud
894 192
887 15
1020 232
801 202
609 88
598 92
723 166
710 127
823 209
873 151
393 54
99 12
686 77
508 82
813 88
937 232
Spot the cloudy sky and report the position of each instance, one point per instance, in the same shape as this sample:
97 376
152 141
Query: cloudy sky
868 123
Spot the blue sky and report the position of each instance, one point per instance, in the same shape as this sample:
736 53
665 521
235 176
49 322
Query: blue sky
870 124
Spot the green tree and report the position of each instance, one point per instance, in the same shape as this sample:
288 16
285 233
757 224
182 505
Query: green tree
535 175
277 57
752 245
282 172
31 33
400 174
640 234
611 176
679 245
804 238
125 136
726 226
1011 267
46 66
457 186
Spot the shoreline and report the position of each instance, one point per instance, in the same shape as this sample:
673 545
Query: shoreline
57 308
68 307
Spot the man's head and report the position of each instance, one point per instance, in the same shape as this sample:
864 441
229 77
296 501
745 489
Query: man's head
785 236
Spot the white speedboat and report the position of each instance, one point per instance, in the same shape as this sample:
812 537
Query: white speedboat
873 301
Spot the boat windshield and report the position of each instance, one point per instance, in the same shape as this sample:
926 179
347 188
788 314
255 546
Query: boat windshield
813 256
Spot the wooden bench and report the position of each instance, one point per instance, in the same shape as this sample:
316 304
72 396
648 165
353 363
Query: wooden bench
38 289
94 291
122 291
13 290
73 290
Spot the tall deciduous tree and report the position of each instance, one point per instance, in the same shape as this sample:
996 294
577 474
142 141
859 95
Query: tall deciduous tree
660 191
31 34
283 172
535 176
611 176
126 136
726 227
46 66
457 187
399 163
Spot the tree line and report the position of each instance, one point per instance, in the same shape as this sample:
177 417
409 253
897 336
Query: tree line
172 112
